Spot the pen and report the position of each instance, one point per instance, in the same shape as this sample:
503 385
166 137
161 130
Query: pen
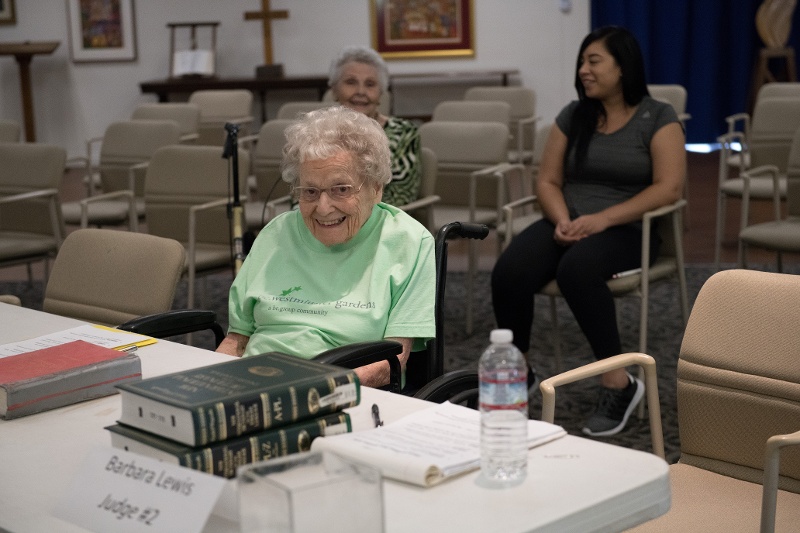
376 415
129 349
627 273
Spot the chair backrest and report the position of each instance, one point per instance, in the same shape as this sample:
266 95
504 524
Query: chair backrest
793 178
462 148
28 167
293 110
130 142
774 123
522 102
779 89
473 111
673 94
429 166
384 106
9 131
266 159
218 106
185 114
108 277
738 374
182 176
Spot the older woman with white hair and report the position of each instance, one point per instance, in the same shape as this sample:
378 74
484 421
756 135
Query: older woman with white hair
358 78
344 267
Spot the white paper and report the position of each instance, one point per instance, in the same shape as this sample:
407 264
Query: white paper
99 335
123 492
425 447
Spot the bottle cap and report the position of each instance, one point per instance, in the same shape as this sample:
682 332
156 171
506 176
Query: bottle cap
501 336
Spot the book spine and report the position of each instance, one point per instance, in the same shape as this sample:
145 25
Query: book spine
225 420
224 458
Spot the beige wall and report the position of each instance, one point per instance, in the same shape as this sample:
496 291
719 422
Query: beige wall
76 101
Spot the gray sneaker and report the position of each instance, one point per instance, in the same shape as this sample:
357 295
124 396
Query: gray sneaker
615 406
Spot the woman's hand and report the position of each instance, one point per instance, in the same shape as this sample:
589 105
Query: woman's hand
570 232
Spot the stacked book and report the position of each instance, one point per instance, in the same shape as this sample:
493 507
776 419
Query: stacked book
219 417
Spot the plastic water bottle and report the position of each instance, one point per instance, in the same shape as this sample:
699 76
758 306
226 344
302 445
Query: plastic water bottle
503 402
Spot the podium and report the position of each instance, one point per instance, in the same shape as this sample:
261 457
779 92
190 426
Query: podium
23 53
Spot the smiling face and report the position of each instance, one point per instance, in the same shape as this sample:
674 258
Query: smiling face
599 72
359 88
333 221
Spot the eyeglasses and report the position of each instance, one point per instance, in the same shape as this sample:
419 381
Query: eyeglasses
337 192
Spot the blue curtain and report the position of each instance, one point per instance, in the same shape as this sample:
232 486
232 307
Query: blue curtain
708 46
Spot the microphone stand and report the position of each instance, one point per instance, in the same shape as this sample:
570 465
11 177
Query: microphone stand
235 209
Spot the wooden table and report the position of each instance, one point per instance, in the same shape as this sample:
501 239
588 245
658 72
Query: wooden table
164 88
23 53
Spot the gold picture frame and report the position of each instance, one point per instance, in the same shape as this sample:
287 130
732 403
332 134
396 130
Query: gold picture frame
403 29
101 30
8 12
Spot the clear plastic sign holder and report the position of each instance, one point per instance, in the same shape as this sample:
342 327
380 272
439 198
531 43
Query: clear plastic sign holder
310 492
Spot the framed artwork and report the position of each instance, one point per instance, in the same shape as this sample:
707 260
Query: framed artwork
415 29
101 30
8 13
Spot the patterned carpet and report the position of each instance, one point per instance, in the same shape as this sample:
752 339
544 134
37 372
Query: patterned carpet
574 402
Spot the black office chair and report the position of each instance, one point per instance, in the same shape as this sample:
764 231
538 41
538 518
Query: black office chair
457 386
422 367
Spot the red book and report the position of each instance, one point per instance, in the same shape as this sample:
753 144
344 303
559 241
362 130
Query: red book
62 375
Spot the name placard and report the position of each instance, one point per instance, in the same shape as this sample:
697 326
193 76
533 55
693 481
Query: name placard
115 490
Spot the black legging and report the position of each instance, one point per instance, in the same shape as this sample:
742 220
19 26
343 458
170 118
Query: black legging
534 258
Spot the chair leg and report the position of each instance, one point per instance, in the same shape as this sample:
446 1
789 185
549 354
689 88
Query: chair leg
742 262
471 259
720 229
556 335
643 316
780 262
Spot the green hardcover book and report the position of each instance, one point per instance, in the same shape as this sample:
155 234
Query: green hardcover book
223 458
226 400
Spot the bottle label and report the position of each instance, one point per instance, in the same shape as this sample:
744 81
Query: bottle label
504 391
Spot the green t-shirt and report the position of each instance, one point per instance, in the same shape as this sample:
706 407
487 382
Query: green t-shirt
297 296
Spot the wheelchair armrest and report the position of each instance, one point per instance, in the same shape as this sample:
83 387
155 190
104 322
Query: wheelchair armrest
175 322
364 353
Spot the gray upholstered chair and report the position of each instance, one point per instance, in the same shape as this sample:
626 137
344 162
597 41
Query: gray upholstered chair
125 151
471 176
10 299
782 234
765 141
669 265
9 131
422 209
31 226
473 111
269 192
219 107
293 110
738 407
522 102
187 116
108 277
673 94
186 197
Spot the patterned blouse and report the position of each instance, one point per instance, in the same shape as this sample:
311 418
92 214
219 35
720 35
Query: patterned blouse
405 146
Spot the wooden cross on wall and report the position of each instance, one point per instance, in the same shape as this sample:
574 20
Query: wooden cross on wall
266 16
